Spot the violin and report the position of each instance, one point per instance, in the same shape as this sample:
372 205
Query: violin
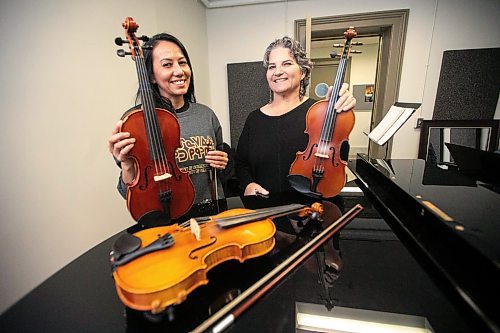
158 267
159 185
319 170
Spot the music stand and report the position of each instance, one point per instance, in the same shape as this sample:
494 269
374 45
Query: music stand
397 115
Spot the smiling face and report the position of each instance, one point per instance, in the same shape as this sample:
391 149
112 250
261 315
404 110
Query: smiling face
283 73
171 72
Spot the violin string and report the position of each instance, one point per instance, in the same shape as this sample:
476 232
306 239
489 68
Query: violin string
327 121
252 216
230 220
146 105
331 114
158 153
165 166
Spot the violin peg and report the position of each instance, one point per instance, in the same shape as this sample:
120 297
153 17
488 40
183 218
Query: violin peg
122 53
356 51
333 54
119 41
357 43
338 45
144 38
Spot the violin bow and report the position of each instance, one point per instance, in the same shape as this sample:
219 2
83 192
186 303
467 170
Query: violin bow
227 315
213 180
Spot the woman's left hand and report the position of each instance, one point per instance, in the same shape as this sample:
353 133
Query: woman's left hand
346 99
216 159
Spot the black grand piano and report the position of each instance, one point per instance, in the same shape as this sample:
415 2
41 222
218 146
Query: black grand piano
423 256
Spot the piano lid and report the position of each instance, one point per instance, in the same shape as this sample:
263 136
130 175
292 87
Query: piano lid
450 222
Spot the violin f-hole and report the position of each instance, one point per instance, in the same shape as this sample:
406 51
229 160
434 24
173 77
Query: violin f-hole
174 173
333 157
213 239
305 158
145 185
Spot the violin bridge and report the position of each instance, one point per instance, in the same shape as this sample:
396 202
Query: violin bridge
321 155
166 175
195 229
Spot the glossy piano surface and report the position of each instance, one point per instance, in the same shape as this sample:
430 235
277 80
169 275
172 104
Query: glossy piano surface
449 221
378 274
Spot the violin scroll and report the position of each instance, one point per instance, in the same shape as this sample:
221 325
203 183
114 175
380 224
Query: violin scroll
315 211
132 40
350 33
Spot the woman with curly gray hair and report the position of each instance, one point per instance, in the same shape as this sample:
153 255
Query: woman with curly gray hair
300 57
273 134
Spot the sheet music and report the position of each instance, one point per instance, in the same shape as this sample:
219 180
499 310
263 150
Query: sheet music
384 165
392 121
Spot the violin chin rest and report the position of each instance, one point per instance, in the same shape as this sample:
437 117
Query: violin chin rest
303 185
125 244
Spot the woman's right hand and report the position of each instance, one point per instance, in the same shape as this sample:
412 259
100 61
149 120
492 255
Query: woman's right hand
119 145
255 189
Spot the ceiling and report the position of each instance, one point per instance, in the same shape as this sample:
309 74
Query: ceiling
320 39
231 3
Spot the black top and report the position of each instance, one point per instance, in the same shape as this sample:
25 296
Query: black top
268 145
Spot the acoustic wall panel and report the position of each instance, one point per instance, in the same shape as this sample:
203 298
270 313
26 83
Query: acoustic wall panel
248 90
469 84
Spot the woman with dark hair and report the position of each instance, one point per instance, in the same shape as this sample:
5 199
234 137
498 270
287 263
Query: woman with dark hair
273 134
170 73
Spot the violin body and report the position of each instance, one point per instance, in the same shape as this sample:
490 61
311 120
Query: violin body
144 193
165 277
333 163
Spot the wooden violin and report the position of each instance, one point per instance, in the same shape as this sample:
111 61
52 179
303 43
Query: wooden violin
159 185
319 170
159 267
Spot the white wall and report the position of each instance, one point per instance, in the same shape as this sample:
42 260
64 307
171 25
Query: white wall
459 24
62 90
434 26
363 71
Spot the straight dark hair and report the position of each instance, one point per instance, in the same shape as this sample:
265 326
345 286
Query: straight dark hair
148 60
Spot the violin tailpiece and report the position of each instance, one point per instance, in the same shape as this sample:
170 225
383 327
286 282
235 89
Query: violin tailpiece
163 242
